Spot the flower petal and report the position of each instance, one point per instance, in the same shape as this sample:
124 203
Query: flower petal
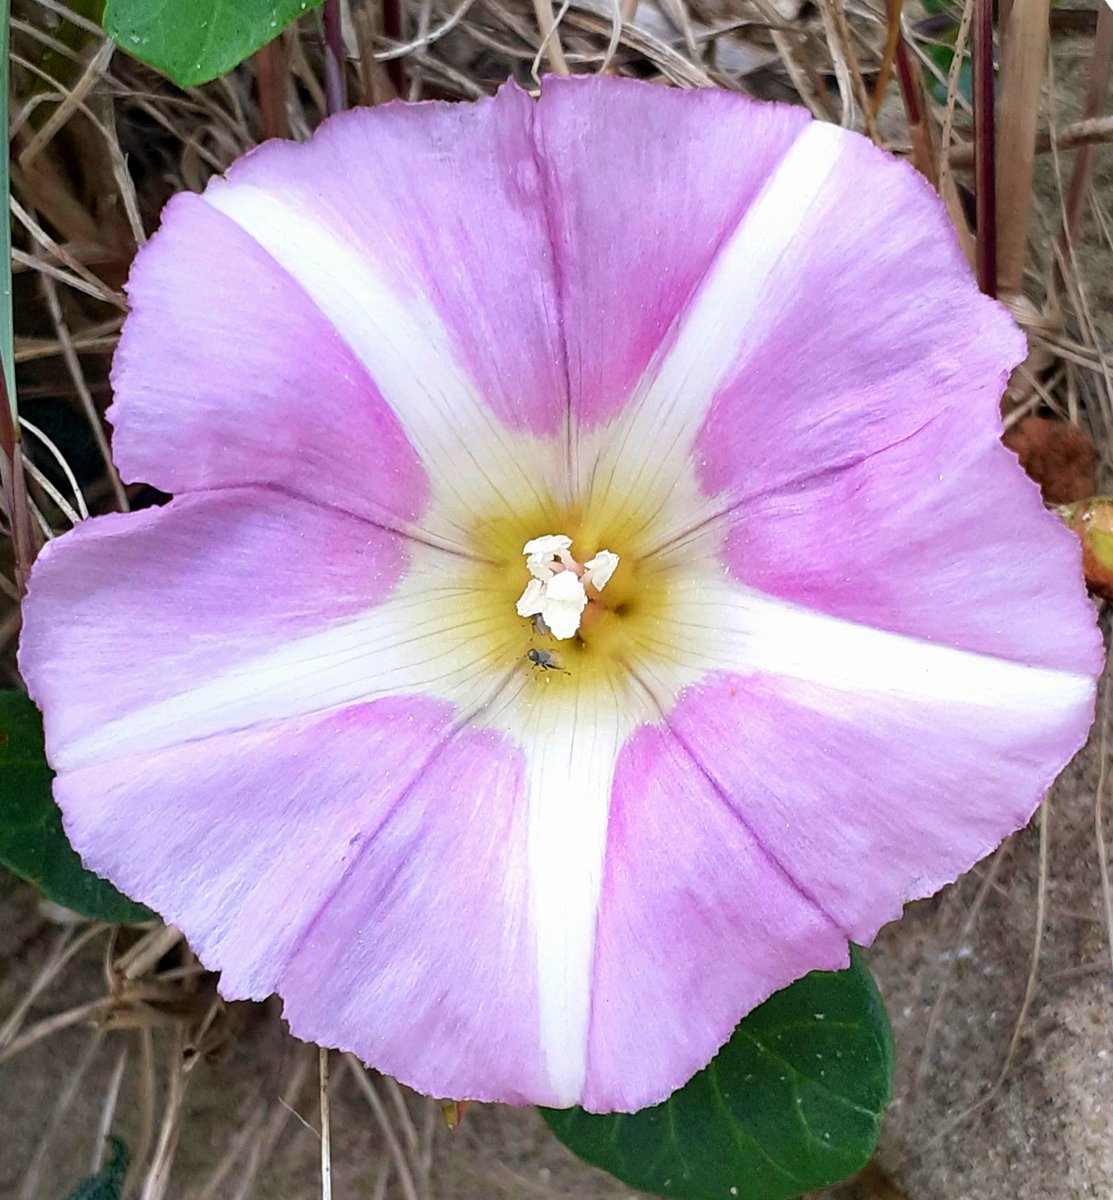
873 328
939 537
228 374
889 795
254 829
256 608
387 905
852 753
644 186
799 342
697 925
407 245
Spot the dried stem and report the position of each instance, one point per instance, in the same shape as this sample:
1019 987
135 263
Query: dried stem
1029 985
894 42
158 1176
917 116
108 1110
326 1126
989 880
392 31
550 37
1095 97
68 945
72 101
961 39
73 366
1081 133
1099 818
1024 46
397 1153
29 1189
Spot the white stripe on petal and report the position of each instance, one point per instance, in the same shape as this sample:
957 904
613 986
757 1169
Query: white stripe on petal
644 453
721 626
428 638
573 737
476 463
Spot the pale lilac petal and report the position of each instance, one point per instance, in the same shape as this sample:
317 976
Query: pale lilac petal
160 602
643 186
871 329
253 830
870 799
337 861
228 374
806 342
424 960
415 240
940 537
697 924
442 204
873 767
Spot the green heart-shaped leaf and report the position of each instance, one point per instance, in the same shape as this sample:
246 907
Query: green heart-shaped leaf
193 41
791 1103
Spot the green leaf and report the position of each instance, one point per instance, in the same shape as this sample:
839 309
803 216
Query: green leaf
791 1103
943 56
32 842
194 41
109 1180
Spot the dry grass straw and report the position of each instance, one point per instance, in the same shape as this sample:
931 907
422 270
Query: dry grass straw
99 144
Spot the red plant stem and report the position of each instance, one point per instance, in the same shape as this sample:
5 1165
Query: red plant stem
336 90
909 92
392 31
924 158
985 154
1095 96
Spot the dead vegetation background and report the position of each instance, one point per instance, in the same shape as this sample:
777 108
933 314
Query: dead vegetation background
999 989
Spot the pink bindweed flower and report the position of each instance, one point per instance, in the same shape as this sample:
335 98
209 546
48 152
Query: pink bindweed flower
594 590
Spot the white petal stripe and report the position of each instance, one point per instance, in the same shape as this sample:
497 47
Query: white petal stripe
722 626
471 457
573 737
647 449
425 638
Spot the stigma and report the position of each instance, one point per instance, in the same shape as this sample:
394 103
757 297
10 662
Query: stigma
558 590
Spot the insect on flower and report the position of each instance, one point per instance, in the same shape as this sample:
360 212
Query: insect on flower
700 383
546 660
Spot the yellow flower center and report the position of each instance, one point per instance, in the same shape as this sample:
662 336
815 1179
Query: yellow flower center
622 623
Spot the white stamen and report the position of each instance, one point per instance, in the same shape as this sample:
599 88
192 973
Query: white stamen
541 551
532 600
564 604
598 570
556 592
